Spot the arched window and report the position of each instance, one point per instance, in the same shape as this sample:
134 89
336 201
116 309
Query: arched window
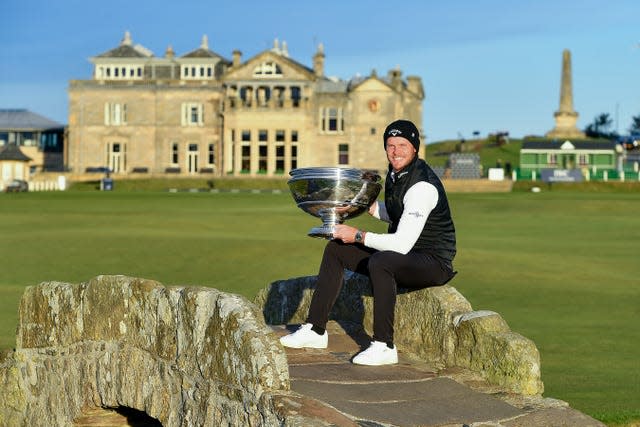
267 69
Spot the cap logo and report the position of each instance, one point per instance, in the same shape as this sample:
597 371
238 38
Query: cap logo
394 132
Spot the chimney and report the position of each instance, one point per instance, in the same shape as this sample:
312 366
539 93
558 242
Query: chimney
395 77
169 53
414 84
237 57
318 61
126 41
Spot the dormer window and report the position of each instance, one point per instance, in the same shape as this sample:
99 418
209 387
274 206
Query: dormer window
197 72
118 72
267 69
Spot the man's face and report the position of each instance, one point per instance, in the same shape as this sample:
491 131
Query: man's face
400 152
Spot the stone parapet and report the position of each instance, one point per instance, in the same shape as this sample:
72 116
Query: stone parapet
434 324
184 356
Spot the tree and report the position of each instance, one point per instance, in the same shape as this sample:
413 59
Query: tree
635 124
599 128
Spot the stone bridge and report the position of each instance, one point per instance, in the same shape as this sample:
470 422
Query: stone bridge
189 356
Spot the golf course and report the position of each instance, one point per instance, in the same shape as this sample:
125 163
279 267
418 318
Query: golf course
559 265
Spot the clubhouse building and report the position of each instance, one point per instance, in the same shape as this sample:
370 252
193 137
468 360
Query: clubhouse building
200 113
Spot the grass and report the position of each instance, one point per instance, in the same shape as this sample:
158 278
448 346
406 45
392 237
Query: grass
560 265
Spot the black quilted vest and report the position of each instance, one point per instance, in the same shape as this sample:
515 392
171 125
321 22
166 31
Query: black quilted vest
438 236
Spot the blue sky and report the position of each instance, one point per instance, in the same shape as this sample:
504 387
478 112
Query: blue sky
486 66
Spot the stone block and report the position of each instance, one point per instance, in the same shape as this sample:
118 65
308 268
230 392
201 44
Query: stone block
435 324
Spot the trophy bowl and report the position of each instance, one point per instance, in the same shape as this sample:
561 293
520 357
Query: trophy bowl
333 194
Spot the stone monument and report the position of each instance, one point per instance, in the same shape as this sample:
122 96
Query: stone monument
566 117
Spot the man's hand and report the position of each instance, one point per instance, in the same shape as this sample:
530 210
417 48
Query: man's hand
373 207
345 233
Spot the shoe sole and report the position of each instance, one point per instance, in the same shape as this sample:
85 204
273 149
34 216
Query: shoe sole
375 364
304 346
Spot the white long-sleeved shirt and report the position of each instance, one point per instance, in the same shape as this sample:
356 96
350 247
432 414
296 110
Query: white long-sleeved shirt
419 201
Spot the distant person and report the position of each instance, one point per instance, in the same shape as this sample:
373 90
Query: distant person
507 169
416 252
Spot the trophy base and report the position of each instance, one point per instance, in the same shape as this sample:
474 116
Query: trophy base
324 232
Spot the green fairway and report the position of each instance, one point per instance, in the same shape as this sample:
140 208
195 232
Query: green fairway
560 266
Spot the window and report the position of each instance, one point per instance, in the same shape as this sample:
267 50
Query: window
372 131
331 120
192 114
267 69
115 114
264 95
552 159
118 72
295 96
294 156
279 158
263 135
262 159
294 136
279 135
583 159
245 166
174 154
196 72
246 135
27 139
211 157
343 154
278 93
246 94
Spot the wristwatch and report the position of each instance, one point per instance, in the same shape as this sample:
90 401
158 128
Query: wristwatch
359 237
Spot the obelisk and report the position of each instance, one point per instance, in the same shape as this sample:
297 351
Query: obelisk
566 117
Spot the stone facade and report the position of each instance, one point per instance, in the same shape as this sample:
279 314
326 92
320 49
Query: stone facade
201 113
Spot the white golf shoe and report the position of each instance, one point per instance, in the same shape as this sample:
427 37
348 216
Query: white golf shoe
304 337
377 354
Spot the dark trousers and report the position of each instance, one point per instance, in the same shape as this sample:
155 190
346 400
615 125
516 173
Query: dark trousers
386 270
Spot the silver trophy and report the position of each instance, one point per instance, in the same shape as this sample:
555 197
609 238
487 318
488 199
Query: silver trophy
333 194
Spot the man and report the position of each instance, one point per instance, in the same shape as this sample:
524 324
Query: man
416 252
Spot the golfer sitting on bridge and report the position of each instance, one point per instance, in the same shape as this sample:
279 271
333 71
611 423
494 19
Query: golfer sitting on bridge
416 252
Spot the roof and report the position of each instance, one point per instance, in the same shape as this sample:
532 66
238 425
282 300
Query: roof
126 49
203 51
12 152
578 144
22 119
331 86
